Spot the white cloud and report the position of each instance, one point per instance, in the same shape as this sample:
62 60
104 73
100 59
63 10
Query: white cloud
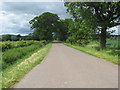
12 23
116 30
15 16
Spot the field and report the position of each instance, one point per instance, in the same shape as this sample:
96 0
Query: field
20 57
93 48
14 73
114 44
13 51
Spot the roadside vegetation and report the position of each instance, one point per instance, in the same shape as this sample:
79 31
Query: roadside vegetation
16 71
15 59
12 51
109 54
6 45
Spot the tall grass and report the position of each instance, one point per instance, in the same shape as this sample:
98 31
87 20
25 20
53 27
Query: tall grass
93 48
15 72
113 44
6 45
10 56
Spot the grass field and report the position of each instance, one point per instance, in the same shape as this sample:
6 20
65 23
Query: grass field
16 71
93 48
11 55
114 44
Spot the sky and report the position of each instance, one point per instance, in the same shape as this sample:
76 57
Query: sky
15 16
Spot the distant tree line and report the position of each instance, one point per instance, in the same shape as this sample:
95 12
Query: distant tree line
18 37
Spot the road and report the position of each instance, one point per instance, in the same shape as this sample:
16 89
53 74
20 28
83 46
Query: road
65 67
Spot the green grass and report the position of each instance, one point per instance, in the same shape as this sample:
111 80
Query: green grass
12 55
113 41
113 44
6 45
16 71
103 54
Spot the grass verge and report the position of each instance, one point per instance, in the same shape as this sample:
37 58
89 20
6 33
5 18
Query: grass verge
10 56
100 54
14 73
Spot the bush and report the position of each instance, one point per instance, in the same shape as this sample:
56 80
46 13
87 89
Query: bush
82 42
10 45
6 45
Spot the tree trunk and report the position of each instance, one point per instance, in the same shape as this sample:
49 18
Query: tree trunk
103 38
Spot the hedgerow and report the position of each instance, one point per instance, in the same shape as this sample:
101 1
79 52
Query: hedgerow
10 45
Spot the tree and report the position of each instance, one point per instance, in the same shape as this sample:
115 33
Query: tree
44 25
104 14
6 37
18 37
79 32
62 33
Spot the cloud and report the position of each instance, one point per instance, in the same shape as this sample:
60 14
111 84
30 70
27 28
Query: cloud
35 8
13 23
15 16
116 30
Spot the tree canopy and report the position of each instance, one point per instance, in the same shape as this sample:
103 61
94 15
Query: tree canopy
44 26
89 19
102 14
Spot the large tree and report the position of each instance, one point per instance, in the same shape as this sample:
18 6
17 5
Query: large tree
79 32
63 28
105 15
44 26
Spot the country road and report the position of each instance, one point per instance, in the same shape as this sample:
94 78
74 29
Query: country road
65 67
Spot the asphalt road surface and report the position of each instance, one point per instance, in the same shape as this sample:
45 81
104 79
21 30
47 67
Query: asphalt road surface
65 67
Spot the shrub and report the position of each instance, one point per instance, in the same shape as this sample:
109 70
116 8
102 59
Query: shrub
82 42
10 45
6 45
